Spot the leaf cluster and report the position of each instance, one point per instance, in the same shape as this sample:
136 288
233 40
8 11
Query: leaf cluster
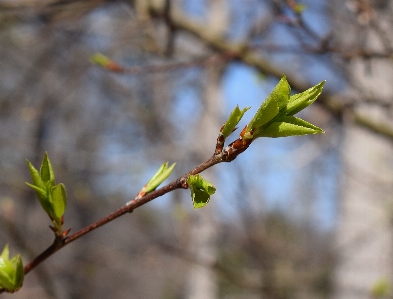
11 271
52 197
275 117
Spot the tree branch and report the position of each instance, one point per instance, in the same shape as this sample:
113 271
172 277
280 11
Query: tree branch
181 182
335 105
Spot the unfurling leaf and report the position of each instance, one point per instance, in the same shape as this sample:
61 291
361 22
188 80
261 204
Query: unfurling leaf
53 198
271 107
11 271
289 126
200 190
302 100
161 175
42 197
274 117
59 201
105 62
233 119
46 171
35 175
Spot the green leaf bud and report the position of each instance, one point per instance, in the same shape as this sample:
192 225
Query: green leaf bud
11 271
200 190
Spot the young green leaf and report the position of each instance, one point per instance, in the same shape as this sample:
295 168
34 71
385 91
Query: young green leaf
100 59
11 271
270 108
6 281
105 62
46 172
302 100
35 175
233 119
5 254
19 271
200 190
160 170
288 126
59 201
42 197
53 198
161 175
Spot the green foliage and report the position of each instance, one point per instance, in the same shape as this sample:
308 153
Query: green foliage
288 126
233 119
300 7
105 62
100 59
200 190
274 117
381 288
52 197
271 107
161 175
11 271
304 99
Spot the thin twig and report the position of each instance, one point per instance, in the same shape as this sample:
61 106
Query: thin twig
129 207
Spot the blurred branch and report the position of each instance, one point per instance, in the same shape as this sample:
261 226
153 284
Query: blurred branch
167 67
337 106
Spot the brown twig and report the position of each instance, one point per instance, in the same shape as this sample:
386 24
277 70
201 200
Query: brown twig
173 66
226 155
60 242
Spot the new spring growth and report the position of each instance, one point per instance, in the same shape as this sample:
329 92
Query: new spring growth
275 117
52 197
11 271
200 190
161 175
105 62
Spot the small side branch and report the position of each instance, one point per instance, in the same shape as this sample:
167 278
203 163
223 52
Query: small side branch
179 183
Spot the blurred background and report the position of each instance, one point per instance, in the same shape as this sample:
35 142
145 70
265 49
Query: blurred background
297 217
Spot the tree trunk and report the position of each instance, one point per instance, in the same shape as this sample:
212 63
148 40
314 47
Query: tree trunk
364 231
202 282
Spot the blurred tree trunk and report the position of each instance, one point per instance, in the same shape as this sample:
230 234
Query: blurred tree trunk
364 232
202 282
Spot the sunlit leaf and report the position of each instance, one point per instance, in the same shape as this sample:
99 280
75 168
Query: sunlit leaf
5 254
46 172
11 271
302 100
59 200
161 175
289 126
42 197
233 119
200 190
53 199
35 175
270 108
